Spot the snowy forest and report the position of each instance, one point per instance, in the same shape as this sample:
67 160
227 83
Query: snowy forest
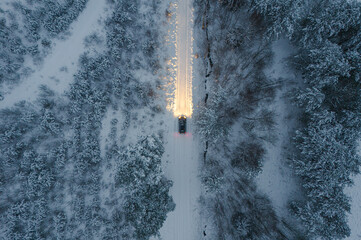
55 181
27 31
235 36
87 163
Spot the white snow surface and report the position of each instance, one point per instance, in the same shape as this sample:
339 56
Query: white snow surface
354 218
5 5
180 164
65 54
277 179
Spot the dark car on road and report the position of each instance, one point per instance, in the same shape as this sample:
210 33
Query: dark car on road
182 124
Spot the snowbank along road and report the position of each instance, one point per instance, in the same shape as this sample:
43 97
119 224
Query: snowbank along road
181 156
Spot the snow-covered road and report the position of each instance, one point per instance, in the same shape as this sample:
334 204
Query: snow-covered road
181 166
184 49
181 158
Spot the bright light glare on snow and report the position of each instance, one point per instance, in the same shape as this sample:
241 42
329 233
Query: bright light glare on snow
184 51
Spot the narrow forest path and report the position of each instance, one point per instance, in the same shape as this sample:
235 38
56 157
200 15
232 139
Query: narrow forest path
181 158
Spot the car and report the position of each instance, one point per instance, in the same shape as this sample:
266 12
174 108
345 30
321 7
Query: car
182 124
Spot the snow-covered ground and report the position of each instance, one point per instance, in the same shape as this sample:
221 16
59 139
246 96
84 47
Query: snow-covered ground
277 179
60 65
181 158
354 218
180 164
